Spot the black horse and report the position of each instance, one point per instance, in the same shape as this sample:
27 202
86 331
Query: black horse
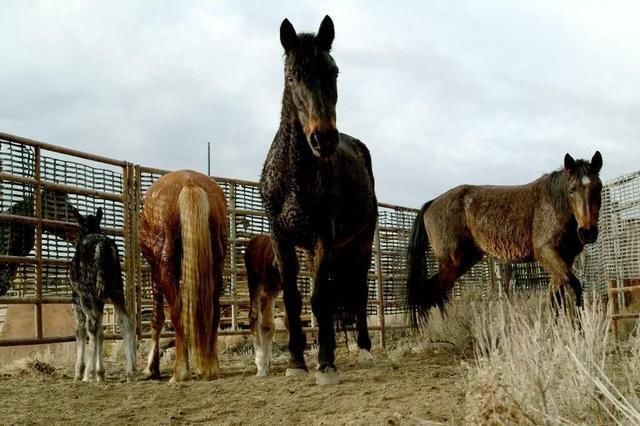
18 239
318 190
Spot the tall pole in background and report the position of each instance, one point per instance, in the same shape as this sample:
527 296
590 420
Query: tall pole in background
208 158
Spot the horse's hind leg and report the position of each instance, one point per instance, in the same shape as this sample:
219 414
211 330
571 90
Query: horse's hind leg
81 336
213 371
452 268
94 324
255 295
365 359
181 364
266 330
157 321
359 279
100 374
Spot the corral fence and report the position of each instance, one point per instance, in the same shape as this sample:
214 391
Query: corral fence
41 184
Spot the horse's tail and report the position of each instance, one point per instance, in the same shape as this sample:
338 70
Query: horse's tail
421 293
197 287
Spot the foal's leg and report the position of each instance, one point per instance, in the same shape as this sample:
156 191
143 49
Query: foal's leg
100 375
266 329
255 295
81 337
288 265
94 323
129 338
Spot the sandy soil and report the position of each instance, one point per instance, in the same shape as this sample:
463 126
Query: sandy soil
406 386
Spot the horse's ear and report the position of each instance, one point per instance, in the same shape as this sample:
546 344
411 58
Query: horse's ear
326 34
596 162
79 217
288 36
569 163
99 214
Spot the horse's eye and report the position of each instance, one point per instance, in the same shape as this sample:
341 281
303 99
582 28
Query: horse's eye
572 189
289 79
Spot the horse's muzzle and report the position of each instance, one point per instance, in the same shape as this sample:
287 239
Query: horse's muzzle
588 236
324 143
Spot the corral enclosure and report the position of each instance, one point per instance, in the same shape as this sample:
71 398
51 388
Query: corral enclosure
37 231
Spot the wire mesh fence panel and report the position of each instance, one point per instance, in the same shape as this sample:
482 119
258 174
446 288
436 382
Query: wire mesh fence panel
36 178
40 193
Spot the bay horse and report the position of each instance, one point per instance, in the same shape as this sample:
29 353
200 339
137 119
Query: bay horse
548 220
265 285
18 239
96 278
183 236
317 186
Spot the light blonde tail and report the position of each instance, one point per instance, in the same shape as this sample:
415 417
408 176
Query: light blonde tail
197 285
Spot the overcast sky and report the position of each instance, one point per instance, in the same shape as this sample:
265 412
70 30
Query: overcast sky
442 92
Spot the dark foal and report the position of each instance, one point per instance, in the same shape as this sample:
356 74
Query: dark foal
548 220
318 190
95 279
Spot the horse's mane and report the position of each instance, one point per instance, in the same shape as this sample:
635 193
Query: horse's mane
556 184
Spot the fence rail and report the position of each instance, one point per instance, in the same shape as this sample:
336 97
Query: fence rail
35 238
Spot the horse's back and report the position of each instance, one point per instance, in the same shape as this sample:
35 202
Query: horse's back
357 185
260 263
96 269
161 213
498 219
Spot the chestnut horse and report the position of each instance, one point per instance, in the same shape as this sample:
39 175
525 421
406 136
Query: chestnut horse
548 220
184 238
263 279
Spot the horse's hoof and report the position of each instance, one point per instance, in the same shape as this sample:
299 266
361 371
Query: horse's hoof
262 373
131 378
365 359
327 376
291 372
150 375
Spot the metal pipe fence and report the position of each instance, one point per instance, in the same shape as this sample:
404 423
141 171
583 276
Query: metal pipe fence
36 242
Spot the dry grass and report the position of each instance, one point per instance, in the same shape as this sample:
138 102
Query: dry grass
533 368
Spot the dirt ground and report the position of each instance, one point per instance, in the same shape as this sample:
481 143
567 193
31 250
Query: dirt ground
424 385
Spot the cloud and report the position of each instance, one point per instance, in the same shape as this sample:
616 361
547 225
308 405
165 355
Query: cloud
443 93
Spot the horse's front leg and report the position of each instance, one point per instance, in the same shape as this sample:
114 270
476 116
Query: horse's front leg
323 304
287 260
560 272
